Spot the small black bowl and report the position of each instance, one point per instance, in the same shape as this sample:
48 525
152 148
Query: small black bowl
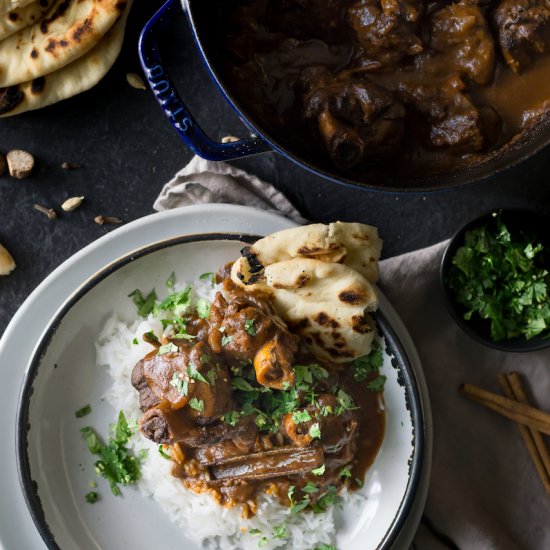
530 222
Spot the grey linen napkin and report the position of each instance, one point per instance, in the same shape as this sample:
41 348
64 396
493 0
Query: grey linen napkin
484 491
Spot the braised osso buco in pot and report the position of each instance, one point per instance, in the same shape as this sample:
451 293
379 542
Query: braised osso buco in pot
404 86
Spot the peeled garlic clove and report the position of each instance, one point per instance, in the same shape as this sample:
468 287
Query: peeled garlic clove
7 263
72 204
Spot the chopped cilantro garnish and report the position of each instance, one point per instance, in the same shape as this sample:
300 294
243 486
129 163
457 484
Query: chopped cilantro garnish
171 280
197 404
241 384
180 383
345 402
262 542
363 366
254 531
212 375
249 327
144 305
192 372
279 532
326 501
299 506
377 384
226 340
168 348
92 497
310 487
208 276
500 276
163 453
135 341
183 336
203 309
299 417
319 471
345 473
178 302
315 431
290 493
87 409
116 463
325 547
231 418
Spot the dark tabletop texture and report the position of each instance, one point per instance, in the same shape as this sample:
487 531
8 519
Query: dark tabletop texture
128 149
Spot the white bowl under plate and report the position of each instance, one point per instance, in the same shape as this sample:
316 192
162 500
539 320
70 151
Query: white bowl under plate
18 340
56 467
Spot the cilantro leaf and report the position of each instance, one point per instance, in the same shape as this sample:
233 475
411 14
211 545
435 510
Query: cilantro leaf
249 327
168 348
192 372
377 385
203 308
315 431
319 471
87 409
208 276
197 404
92 497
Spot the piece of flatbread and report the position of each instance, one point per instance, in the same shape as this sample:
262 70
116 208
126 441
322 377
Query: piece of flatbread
69 29
354 244
79 76
15 20
10 5
326 303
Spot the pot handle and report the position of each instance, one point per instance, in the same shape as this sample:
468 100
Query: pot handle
171 103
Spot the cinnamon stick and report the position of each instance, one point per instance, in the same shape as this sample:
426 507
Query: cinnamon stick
511 386
519 412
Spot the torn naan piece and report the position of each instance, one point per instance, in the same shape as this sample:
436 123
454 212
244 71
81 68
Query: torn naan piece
77 77
356 245
326 303
69 30
19 18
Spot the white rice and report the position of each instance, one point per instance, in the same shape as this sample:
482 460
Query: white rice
202 520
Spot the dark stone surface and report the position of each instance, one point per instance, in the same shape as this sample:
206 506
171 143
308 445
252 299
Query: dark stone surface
128 150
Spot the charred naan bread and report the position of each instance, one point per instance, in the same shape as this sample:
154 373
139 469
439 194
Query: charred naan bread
354 244
326 303
77 77
69 29
17 19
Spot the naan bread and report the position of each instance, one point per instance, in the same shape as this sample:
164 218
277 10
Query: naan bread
326 303
15 20
10 5
354 244
79 76
70 29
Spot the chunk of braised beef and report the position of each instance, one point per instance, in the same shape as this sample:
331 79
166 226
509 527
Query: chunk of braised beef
147 399
246 329
449 119
354 117
167 426
523 28
460 33
386 30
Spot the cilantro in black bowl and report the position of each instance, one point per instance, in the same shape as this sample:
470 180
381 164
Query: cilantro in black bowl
495 275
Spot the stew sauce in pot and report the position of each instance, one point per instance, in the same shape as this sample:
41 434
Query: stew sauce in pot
403 87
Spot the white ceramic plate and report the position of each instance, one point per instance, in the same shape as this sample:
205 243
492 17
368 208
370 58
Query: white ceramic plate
15 350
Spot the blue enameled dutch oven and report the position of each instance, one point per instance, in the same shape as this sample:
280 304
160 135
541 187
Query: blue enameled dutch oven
199 13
